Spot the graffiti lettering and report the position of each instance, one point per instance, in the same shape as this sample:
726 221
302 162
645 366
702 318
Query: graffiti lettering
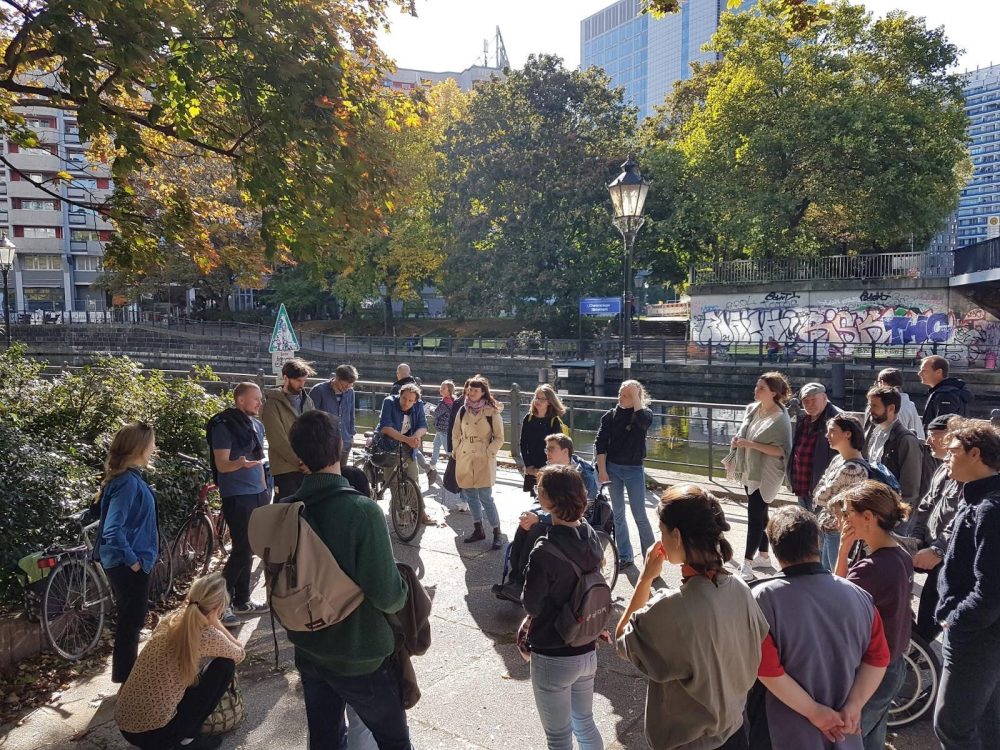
781 297
875 296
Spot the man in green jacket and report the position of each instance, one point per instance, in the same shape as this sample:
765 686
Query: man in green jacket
349 663
281 408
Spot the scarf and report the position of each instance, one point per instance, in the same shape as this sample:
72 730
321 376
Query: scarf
475 406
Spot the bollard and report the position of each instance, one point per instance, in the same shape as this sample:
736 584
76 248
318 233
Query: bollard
838 381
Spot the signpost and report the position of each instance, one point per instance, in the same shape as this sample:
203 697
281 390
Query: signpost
992 227
284 342
600 307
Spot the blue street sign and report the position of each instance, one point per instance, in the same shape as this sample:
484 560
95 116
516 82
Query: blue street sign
601 307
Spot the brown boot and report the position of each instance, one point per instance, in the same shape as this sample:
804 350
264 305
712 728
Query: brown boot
497 540
476 535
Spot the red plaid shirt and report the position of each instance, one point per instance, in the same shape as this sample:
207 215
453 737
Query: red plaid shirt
802 456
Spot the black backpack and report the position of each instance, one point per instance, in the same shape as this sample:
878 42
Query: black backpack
587 612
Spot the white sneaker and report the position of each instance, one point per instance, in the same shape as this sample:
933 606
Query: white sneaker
746 572
462 507
763 560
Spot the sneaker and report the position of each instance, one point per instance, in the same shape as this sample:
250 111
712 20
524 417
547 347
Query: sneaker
510 592
462 507
625 565
763 560
746 572
251 608
228 619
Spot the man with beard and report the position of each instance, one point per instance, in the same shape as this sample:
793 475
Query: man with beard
891 444
282 407
236 442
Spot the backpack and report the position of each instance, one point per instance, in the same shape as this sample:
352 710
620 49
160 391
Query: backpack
587 612
588 472
880 473
306 588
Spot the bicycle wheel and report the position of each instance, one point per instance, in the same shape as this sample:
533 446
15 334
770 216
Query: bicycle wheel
915 699
223 537
73 608
406 505
193 545
161 577
371 474
609 565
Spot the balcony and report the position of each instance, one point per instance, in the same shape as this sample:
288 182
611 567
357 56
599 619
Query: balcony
36 218
39 244
85 278
41 278
833 267
86 247
40 162
24 189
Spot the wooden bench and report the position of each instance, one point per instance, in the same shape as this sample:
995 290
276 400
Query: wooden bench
488 345
430 342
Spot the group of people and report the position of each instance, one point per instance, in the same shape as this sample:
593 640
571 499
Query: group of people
728 665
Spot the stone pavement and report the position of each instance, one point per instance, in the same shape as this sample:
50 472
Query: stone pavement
476 688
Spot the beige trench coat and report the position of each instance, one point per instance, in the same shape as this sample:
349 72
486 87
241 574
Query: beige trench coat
476 440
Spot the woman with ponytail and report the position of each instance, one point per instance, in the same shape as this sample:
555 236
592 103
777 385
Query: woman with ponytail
127 538
167 699
699 645
871 510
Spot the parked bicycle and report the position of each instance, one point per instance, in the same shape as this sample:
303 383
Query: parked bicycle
601 516
915 699
75 594
203 532
406 503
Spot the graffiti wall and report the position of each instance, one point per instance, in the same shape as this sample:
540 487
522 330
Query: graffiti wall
840 321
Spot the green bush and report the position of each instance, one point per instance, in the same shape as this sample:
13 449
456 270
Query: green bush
57 432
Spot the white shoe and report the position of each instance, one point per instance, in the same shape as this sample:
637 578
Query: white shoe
763 560
746 572
735 564
462 507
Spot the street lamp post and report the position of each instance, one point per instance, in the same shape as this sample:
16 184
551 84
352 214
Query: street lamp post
7 251
628 196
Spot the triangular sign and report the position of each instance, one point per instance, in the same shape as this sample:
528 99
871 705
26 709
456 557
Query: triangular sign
283 338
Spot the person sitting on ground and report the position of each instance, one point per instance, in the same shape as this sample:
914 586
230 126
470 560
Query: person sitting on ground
967 713
849 468
698 646
167 697
535 523
543 419
871 511
562 676
932 526
812 695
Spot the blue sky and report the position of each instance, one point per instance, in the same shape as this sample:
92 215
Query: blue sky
448 34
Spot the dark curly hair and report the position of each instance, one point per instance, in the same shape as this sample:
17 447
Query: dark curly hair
563 487
699 518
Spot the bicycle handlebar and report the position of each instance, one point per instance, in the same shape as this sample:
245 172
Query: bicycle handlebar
192 461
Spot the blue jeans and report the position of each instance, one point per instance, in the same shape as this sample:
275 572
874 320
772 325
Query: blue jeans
359 737
806 502
967 714
375 697
829 542
480 499
564 695
440 444
632 479
875 714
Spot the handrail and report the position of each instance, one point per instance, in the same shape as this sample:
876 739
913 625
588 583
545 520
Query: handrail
832 267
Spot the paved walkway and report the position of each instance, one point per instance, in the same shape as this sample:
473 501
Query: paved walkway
476 690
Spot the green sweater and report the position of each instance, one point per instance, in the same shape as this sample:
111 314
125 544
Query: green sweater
354 529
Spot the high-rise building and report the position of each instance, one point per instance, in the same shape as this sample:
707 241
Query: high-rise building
407 79
59 244
648 55
980 198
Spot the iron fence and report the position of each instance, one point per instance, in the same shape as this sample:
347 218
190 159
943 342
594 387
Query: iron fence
833 267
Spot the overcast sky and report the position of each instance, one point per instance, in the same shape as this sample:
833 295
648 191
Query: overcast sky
449 34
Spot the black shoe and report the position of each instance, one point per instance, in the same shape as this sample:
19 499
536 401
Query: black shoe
626 565
497 539
509 591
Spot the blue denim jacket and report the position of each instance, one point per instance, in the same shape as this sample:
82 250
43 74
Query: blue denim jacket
392 416
128 531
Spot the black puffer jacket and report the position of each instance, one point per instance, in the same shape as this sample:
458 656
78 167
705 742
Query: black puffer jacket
950 396
549 584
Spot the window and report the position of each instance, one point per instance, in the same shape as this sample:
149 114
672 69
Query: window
30 204
81 211
72 128
88 263
40 122
45 149
43 298
38 232
40 262
32 176
85 235
76 157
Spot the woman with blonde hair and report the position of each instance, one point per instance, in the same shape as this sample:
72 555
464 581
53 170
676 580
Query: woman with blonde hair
760 451
127 538
167 699
543 419
620 448
476 437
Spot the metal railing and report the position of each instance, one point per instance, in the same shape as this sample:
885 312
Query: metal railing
833 267
983 256
871 355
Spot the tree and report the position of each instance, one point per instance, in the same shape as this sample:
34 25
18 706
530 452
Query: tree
527 212
397 262
846 136
303 289
287 92
796 14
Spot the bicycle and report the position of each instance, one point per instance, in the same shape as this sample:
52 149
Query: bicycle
78 597
601 516
202 531
915 699
406 503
